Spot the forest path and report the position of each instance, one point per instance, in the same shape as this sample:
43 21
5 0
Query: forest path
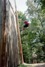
34 65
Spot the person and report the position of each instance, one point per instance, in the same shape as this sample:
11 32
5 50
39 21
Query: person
26 24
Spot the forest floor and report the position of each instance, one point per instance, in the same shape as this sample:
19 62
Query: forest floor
34 65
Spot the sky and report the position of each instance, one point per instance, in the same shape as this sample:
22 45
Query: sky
21 5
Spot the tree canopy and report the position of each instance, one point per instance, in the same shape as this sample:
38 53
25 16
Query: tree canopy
33 37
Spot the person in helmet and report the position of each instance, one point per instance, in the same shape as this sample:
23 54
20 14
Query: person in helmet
26 24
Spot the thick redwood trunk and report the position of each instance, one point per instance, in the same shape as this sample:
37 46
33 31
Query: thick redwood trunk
3 51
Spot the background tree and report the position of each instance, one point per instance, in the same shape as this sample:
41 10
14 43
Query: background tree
33 37
37 15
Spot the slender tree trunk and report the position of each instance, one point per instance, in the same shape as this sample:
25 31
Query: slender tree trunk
19 37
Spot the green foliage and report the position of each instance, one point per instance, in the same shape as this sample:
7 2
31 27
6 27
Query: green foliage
41 2
22 65
33 37
21 19
26 53
21 16
37 28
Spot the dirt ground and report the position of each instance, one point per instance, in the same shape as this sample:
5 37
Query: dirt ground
35 65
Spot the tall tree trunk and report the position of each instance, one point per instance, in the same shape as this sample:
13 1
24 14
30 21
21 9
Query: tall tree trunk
19 37
3 51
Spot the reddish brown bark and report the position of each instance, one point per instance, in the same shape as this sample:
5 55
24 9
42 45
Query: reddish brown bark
3 52
19 40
